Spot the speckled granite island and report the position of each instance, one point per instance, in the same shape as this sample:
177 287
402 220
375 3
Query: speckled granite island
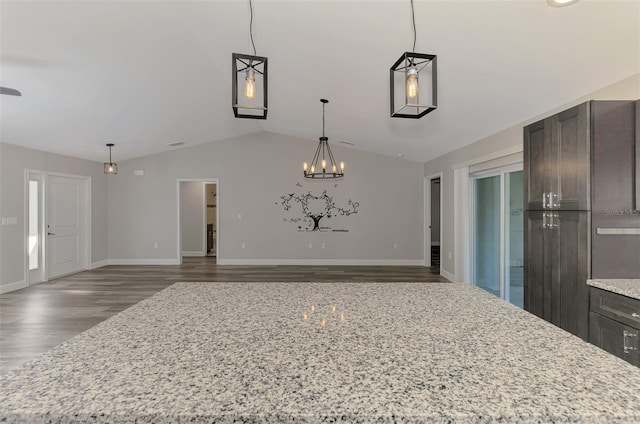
307 352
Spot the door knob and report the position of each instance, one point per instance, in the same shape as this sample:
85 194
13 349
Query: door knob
50 234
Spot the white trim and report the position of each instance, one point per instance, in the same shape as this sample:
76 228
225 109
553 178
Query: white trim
461 224
446 274
143 262
99 264
489 156
193 253
356 262
16 285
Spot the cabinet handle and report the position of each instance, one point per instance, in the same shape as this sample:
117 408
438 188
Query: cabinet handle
626 335
556 217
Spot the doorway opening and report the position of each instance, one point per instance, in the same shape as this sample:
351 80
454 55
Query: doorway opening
433 227
497 232
198 219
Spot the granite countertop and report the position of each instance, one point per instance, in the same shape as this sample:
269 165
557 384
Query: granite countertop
626 287
383 352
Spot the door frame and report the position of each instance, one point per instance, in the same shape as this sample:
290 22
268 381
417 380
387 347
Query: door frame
427 219
500 171
86 183
179 215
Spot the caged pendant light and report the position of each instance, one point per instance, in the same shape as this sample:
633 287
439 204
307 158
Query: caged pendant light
110 167
413 82
323 165
249 82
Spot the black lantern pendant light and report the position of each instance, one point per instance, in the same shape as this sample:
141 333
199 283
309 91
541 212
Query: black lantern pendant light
323 165
413 80
110 167
249 85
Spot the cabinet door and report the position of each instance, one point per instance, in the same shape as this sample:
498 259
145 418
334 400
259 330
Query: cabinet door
537 154
610 335
570 270
570 159
536 256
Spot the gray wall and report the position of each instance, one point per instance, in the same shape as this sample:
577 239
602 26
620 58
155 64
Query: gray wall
626 89
192 217
254 172
13 162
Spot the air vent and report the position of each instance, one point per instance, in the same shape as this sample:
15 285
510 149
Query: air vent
176 144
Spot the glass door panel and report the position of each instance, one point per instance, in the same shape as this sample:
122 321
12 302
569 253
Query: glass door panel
486 236
514 237
498 232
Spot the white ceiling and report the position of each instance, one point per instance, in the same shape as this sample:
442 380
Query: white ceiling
143 74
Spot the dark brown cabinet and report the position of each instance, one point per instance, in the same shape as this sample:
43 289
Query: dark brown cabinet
578 174
614 323
557 161
556 268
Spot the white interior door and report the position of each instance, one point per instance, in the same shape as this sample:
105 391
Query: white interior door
66 226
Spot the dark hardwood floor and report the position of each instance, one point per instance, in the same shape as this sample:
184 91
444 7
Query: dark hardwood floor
37 318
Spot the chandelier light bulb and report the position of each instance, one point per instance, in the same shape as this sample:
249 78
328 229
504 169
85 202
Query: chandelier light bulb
305 166
250 84
342 167
313 169
324 165
412 83
333 169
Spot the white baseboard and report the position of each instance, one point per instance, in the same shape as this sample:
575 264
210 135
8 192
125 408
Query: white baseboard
446 274
193 253
143 262
99 264
8 287
356 262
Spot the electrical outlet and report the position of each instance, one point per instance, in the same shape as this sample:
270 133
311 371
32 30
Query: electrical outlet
310 245
243 245
239 216
324 245
155 245
395 246
449 255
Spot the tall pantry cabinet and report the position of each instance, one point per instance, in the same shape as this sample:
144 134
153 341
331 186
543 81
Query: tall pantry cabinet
558 183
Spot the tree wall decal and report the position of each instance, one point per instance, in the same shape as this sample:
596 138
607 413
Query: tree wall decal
318 207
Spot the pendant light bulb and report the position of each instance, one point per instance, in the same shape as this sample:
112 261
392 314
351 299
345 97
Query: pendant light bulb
324 165
412 83
305 166
250 84
342 167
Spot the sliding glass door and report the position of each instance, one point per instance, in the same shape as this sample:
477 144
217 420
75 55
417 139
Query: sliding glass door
497 232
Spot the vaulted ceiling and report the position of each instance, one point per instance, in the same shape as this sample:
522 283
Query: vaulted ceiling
144 74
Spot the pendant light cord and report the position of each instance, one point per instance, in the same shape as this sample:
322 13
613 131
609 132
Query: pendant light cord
323 119
251 26
110 161
413 18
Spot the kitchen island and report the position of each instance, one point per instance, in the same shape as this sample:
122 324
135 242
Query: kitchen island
311 352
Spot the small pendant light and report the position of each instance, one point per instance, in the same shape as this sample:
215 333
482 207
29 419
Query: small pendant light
110 167
413 82
249 82
323 165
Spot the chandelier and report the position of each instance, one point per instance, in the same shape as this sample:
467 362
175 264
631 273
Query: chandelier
323 165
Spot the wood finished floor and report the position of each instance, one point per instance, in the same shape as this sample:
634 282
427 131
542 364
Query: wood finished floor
35 319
